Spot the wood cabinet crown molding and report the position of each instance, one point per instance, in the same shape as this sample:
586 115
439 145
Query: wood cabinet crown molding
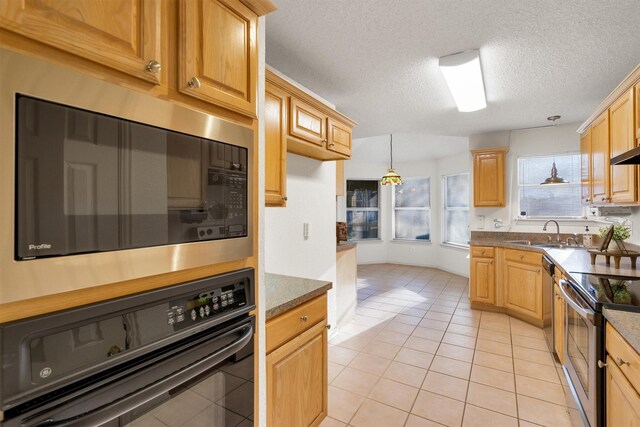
260 7
490 150
625 85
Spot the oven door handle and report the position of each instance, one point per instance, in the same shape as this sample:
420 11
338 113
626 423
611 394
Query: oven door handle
587 314
121 406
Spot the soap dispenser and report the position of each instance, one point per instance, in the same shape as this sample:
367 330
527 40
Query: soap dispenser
587 238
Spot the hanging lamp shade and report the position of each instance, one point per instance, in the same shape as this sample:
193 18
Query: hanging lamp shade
554 178
391 177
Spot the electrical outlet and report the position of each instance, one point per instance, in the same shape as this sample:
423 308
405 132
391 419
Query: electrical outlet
305 230
480 222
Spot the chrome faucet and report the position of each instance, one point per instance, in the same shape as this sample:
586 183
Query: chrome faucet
557 228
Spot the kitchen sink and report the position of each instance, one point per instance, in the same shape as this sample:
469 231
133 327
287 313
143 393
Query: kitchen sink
552 244
519 242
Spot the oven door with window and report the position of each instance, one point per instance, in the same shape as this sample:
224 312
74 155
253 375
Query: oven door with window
583 343
205 380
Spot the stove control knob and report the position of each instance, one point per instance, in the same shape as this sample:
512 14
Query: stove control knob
201 312
207 310
193 315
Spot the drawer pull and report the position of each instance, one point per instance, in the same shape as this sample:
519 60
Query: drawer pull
328 327
601 364
482 252
621 362
304 318
521 257
194 83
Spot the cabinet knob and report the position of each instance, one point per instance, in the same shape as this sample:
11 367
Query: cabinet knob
285 198
621 362
154 66
521 257
328 327
194 83
491 262
601 364
482 252
304 318
538 271
324 140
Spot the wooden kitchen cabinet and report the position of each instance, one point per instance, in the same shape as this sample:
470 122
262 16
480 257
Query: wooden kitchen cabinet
338 137
523 283
600 159
124 35
637 108
489 177
558 322
482 287
622 378
622 139
585 166
313 129
275 123
218 53
297 365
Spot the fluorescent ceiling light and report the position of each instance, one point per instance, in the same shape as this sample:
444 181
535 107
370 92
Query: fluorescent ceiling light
464 77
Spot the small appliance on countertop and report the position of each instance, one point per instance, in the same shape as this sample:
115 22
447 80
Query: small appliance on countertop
341 232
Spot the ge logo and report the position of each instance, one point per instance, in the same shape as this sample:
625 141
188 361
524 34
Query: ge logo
45 372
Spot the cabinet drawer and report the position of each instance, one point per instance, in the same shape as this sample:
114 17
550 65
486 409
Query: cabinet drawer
483 251
620 352
295 321
523 256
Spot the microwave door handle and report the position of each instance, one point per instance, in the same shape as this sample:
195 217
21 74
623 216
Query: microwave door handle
121 406
588 314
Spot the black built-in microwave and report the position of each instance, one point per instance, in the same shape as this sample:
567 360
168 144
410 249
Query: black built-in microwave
90 182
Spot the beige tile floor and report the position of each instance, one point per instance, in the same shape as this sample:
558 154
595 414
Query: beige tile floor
416 355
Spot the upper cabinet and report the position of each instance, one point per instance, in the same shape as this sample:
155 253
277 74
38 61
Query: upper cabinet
314 129
622 139
275 124
612 130
218 53
489 177
585 166
130 40
600 159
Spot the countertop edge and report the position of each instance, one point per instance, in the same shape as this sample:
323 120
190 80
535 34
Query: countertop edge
345 246
286 306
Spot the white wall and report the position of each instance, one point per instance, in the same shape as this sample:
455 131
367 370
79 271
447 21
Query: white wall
385 250
530 142
311 198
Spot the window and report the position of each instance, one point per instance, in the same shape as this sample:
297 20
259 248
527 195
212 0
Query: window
552 200
456 209
363 208
412 209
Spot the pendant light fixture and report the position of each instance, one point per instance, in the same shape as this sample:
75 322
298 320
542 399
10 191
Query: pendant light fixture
554 178
391 177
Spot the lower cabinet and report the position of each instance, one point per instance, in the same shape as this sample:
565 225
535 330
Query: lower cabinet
623 401
523 288
297 369
558 322
482 286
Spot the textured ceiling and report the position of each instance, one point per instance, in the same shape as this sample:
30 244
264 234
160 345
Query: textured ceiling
377 61
407 148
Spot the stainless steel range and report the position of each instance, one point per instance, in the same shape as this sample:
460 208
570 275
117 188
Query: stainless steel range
585 296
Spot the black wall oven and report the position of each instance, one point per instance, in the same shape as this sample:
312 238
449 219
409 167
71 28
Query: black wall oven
181 355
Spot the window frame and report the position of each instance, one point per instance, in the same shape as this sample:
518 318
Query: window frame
368 209
518 186
393 214
443 239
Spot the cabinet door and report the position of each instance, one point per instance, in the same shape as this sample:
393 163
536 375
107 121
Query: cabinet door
127 41
489 179
483 283
338 138
307 123
558 322
622 400
185 173
600 159
275 148
523 292
218 53
622 139
585 166
297 380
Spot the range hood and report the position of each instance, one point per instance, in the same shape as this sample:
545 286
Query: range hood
631 157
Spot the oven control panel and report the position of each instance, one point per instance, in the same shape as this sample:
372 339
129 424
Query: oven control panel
205 305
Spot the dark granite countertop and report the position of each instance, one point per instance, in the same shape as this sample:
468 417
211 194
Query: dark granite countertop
578 260
283 293
344 246
627 323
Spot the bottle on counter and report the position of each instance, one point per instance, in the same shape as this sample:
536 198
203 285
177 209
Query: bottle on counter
587 238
